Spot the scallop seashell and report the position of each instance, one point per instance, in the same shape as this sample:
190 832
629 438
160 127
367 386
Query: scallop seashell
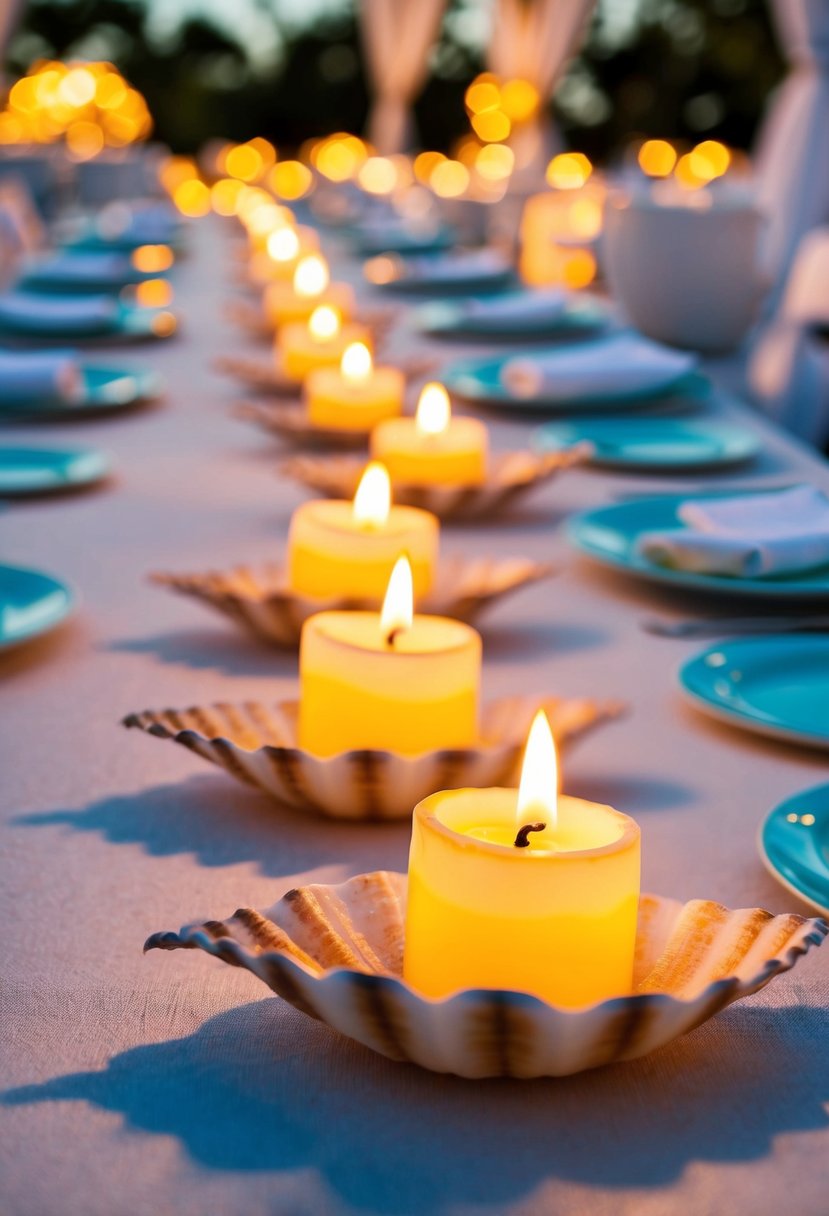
259 599
336 954
257 744
289 420
263 376
510 476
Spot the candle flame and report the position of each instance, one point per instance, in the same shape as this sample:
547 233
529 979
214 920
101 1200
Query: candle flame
372 502
311 276
433 410
538 788
283 244
324 323
356 363
398 606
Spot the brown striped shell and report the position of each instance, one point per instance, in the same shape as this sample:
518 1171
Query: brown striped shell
256 743
336 954
510 476
259 599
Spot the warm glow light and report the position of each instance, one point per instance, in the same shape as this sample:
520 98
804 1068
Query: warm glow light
433 409
154 293
657 157
152 259
356 363
225 195
382 269
584 217
192 198
324 323
283 245
686 174
492 126
311 276
483 94
538 789
77 87
425 164
84 140
290 179
709 159
568 170
377 175
398 604
519 100
243 162
495 162
578 268
372 502
449 179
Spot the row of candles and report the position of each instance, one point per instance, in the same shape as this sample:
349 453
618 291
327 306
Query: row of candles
524 890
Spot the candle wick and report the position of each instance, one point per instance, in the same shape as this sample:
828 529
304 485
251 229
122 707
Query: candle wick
522 839
392 636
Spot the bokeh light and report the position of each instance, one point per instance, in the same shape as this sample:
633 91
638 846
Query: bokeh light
568 170
657 157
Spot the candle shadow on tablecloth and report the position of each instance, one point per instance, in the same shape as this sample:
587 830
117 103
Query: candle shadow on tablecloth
223 648
261 1088
222 823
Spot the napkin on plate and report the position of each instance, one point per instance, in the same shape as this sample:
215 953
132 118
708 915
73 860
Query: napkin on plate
80 267
76 316
747 535
37 378
515 308
622 364
449 267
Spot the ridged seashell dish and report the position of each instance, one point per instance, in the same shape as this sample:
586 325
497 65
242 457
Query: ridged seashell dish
259 599
336 954
510 476
263 375
257 744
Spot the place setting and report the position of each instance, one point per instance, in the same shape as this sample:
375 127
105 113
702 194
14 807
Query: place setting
59 385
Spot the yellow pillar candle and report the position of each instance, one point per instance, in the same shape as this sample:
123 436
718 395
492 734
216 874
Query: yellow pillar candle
283 249
301 347
349 549
356 395
433 448
522 890
309 287
390 680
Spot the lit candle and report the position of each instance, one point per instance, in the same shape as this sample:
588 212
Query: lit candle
349 549
284 246
524 891
356 395
310 286
402 683
433 448
301 347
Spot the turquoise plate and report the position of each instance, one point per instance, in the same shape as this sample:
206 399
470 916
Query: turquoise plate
776 685
50 282
31 603
583 317
478 381
425 284
653 444
46 471
793 843
105 390
368 244
131 324
609 535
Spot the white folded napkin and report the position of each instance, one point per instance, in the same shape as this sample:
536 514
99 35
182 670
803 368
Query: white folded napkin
515 308
40 377
621 364
30 312
746 536
449 267
80 267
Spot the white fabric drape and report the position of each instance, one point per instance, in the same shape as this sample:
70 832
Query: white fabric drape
792 154
397 36
533 40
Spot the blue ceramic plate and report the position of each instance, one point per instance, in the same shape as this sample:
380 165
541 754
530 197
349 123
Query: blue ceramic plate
793 843
653 444
582 317
609 535
60 280
106 390
479 382
31 603
46 471
776 685
130 324
369 244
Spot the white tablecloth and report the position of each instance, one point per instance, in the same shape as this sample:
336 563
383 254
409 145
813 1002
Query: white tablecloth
137 1086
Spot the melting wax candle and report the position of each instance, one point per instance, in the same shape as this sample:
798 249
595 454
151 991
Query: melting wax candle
523 890
356 395
349 549
301 347
310 286
390 680
433 448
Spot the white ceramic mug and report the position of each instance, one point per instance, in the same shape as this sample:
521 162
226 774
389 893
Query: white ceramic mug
686 271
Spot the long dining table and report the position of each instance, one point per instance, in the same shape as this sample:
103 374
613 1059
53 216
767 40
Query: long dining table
144 1085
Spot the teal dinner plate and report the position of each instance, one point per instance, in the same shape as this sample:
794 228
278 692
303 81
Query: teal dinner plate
609 535
370 244
776 685
793 843
130 324
479 382
583 317
46 471
653 444
31 603
105 389
62 280
404 279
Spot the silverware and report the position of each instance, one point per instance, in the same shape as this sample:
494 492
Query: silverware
723 625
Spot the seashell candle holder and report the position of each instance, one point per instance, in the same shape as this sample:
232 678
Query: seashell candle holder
510 476
260 600
257 744
289 421
336 954
249 317
263 376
